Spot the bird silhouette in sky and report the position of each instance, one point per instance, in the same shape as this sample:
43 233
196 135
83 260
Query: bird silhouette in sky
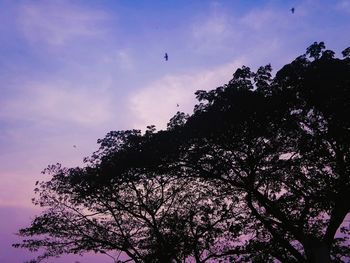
292 10
74 146
177 105
166 56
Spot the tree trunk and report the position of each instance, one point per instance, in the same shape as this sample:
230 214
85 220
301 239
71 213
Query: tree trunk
317 251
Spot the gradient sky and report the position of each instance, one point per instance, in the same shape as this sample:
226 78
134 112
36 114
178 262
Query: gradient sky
71 71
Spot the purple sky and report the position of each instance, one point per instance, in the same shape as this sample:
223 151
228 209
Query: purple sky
70 71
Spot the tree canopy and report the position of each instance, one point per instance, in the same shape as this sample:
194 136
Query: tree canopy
258 173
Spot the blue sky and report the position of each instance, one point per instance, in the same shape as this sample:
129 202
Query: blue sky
71 71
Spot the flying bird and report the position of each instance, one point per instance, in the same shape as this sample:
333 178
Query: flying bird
292 10
74 146
166 56
177 105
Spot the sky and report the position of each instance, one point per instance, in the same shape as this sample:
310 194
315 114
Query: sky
71 71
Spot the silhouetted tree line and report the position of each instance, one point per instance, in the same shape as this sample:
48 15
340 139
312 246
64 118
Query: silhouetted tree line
258 173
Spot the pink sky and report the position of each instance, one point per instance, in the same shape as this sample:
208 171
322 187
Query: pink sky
72 71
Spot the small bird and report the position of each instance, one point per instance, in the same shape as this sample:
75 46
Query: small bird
166 56
74 146
292 10
177 105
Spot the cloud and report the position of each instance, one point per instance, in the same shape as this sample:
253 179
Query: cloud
41 124
249 33
157 102
12 186
57 102
213 31
259 19
343 6
215 27
58 22
124 59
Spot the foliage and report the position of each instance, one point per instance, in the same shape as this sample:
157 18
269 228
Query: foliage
284 142
151 218
258 173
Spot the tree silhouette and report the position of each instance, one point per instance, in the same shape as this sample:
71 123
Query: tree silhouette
258 173
284 144
149 217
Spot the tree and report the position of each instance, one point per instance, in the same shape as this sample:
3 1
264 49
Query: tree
284 143
149 217
314 51
346 52
258 173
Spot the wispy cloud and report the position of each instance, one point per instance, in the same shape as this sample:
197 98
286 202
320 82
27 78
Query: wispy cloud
214 30
157 102
343 6
256 34
124 59
44 121
59 101
58 92
260 19
58 22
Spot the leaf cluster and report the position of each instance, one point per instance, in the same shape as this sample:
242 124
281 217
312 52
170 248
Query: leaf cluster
258 173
